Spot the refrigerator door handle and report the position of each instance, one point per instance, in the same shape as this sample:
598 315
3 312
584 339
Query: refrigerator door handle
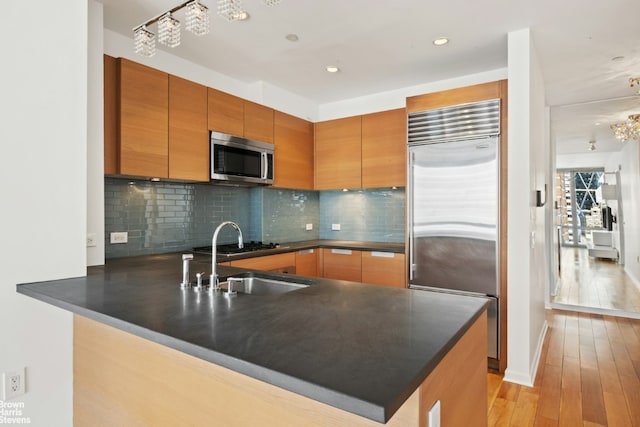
412 159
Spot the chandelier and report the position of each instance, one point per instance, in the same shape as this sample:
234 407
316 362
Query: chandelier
630 128
197 21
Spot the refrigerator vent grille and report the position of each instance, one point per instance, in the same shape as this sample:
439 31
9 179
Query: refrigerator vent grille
464 121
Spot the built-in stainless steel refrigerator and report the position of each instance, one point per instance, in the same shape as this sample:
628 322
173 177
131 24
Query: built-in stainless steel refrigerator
453 204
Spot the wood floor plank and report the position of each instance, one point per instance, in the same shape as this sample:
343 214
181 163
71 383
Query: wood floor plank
598 387
593 409
617 411
631 388
524 413
501 412
549 402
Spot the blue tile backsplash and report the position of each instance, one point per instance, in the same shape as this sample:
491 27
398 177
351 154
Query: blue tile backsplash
372 215
170 217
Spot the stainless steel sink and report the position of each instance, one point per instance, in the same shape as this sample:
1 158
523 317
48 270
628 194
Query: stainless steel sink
254 284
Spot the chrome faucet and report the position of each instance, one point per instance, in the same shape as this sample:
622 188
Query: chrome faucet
214 284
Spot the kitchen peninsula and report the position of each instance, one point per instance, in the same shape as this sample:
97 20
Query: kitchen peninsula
333 353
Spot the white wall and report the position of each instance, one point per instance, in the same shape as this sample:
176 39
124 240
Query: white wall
527 164
95 134
43 109
583 160
629 162
117 45
397 98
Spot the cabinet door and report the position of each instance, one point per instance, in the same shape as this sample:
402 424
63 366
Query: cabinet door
144 120
258 122
384 268
188 134
294 152
307 262
342 264
226 112
338 154
279 262
110 115
384 149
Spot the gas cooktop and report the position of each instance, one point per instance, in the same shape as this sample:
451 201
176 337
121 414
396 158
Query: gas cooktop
232 248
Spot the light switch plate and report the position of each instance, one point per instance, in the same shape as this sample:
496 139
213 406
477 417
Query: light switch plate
335 227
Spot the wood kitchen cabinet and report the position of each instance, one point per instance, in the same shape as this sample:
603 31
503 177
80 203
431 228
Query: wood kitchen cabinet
284 263
143 118
258 122
236 116
366 151
293 139
155 124
188 135
342 264
384 268
384 149
307 262
226 112
338 148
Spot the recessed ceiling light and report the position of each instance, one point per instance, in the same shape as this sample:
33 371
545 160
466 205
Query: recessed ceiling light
440 41
332 68
617 58
597 123
242 16
292 37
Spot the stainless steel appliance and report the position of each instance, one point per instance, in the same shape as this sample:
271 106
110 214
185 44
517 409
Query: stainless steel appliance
241 160
453 193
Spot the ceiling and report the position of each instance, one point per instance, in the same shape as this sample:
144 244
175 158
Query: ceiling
385 45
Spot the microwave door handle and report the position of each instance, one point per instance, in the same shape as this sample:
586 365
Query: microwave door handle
265 165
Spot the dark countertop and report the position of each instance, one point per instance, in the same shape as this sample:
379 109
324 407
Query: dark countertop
312 244
357 347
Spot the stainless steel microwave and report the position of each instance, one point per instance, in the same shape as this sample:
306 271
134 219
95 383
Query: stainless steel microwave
235 159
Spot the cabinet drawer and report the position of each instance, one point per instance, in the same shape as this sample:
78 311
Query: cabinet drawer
384 268
280 262
342 264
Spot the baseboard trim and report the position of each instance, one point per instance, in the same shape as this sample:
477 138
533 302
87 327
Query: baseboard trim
633 278
528 380
595 310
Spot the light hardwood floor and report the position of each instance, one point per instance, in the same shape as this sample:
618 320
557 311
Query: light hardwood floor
589 375
596 283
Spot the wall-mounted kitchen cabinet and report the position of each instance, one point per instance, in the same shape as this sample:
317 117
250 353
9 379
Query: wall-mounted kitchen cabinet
293 139
384 268
188 135
366 151
338 148
226 112
342 264
384 149
236 116
110 92
143 117
155 124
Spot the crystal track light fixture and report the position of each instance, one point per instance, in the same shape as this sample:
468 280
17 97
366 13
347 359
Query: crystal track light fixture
197 21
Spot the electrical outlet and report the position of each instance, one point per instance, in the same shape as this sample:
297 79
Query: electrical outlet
335 227
119 237
91 240
13 384
309 227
